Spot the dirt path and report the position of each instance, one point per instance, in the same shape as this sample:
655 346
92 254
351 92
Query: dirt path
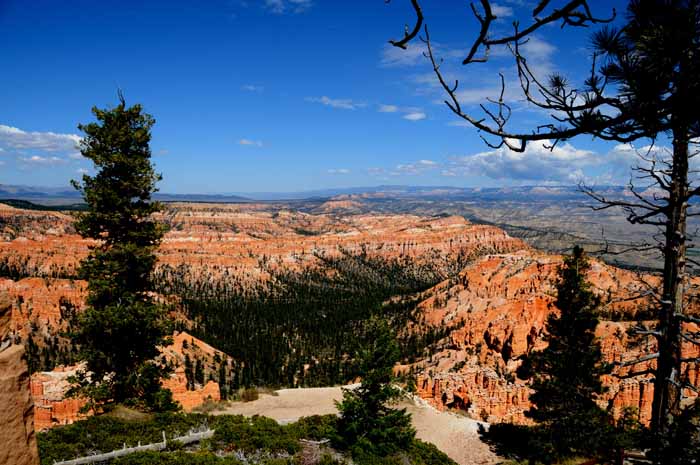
455 435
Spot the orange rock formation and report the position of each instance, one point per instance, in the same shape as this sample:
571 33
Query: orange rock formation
503 302
52 407
177 384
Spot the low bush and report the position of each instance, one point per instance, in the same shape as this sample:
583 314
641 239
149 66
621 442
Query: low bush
315 427
175 458
260 440
418 453
105 433
239 433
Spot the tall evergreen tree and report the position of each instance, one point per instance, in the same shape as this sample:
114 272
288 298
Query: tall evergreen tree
368 424
567 373
122 325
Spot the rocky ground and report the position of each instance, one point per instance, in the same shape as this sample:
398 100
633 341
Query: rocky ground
454 434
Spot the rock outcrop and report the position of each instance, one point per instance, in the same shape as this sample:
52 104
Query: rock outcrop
498 307
16 408
189 399
231 239
53 408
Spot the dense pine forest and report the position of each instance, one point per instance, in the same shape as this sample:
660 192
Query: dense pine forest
303 327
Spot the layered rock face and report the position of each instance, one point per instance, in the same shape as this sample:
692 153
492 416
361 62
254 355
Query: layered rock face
42 306
498 306
233 239
190 399
53 408
16 407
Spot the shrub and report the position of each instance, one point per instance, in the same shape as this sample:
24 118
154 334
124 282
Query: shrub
236 432
105 433
175 458
249 394
316 427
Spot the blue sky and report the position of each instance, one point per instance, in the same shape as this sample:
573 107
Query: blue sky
273 95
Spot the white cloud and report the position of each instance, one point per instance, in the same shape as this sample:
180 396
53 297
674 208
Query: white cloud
288 6
414 54
537 49
564 164
536 163
388 108
376 171
414 169
415 116
39 160
17 139
479 95
395 56
408 113
252 88
343 104
501 11
250 142
82 171
75 156
338 171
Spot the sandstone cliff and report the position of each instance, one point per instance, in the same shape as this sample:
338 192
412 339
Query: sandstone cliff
503 302
16 407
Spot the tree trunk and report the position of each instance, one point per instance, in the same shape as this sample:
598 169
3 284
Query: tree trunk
667 388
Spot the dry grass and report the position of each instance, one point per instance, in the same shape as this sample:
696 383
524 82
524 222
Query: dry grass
127 414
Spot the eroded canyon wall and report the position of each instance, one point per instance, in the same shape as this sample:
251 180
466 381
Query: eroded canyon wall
16 406
504 301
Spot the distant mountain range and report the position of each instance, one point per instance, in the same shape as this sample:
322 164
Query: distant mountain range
68 196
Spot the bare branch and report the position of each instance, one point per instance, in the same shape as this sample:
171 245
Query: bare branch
635 374
646 358
408 36
686 318
690 339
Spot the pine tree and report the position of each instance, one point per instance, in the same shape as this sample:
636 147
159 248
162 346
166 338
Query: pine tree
368 425
199 371
222 379
567 373
122 326
189 372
